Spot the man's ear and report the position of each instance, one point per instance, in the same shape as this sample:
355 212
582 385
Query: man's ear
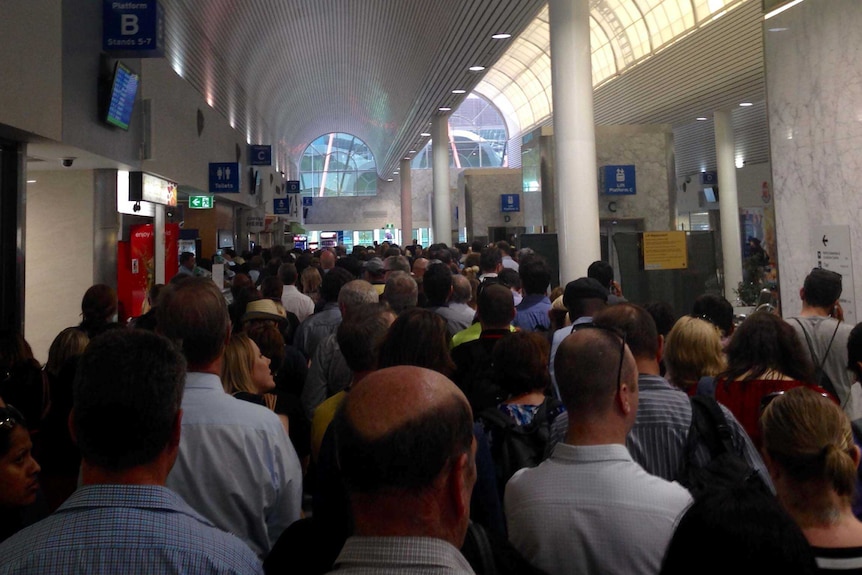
72 426
176 429
802 293
624 399
660 350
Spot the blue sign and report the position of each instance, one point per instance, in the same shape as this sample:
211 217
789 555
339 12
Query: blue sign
135 28
510 202
708 178
281 206
306 202
224 177
292 187
619 180
260 155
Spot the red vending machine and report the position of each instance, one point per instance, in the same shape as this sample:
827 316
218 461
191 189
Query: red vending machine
136 265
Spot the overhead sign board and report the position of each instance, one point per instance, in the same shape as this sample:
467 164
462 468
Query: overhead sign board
224 177
292 186
149 188
510 203
201 202
307 201
709 178
260 155
665 251
133 28
281 206
619 180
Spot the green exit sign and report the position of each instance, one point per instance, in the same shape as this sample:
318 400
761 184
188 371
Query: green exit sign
201 202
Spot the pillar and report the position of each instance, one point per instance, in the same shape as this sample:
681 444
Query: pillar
576 175
728 203
406 203
159 248
441 212
106 227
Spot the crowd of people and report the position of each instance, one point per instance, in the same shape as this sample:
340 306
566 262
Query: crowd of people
438 410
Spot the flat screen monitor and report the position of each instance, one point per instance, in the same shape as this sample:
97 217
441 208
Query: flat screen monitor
710 195
124 89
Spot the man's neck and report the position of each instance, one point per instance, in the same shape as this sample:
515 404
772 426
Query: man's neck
150 474
814 311
647 366
213 368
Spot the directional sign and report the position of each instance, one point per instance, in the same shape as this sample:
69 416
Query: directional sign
292 186
135 28
281 206
306 201
201 202
510 202
224 177
260 155
833 250
618 180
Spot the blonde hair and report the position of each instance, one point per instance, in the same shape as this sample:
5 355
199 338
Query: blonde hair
810 437
693 350
310 279
238 365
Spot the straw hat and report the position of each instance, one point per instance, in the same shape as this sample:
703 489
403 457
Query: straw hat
263 309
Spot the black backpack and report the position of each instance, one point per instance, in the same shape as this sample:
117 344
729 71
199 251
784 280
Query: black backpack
821 378
726 468
514 446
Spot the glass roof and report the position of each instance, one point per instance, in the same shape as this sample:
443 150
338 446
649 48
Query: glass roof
622 34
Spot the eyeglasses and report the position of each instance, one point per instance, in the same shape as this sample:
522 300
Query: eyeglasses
10 417
616 333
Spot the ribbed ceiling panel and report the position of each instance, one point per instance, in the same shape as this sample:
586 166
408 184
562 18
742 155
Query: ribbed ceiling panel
695 143
377 69
718 67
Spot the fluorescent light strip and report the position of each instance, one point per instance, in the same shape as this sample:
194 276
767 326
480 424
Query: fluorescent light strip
781 9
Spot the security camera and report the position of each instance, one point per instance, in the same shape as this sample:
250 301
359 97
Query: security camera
67 162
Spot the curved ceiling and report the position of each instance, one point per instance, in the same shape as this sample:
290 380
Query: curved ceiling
287 71
377 69
623 33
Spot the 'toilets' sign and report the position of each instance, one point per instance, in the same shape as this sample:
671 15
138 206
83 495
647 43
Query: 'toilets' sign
224 178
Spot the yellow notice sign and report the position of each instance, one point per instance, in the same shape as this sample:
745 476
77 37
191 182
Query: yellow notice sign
665 251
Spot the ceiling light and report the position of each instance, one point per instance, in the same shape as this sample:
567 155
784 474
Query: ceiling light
406 157
444 108
425 135
746 104
459 91
701 119
781 9
389 179
395 172
476 68
31 181
411 151
501 36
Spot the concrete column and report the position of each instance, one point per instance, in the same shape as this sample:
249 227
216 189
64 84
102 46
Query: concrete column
728 203
576 175
106 227
406 203
159 237
441 213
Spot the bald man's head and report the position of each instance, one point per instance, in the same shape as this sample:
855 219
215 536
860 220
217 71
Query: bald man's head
399 429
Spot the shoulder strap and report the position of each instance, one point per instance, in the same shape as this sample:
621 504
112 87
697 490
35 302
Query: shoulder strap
711 426
825 355
811 346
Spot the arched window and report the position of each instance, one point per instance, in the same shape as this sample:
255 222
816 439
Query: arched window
338 165
477 132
